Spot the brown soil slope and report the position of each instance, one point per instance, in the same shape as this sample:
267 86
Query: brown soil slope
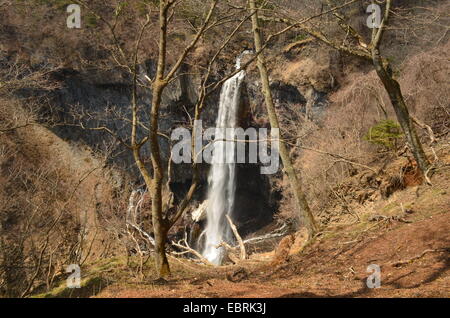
413 252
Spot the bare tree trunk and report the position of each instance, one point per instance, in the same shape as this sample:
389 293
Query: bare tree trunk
159 223
304 210
394 91
162 222
401 110
372 53
160 227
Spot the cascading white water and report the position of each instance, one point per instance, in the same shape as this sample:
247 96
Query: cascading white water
221 179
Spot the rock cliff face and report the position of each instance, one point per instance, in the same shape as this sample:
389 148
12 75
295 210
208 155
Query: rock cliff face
103 99
94 95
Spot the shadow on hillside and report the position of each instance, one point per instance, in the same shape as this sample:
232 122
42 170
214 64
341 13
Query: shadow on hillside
394 284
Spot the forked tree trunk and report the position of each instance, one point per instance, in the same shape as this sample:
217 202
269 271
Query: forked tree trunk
161 223
160 226
304 210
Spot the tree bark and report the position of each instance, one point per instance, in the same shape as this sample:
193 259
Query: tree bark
401 110
304 210
160 226
394 91
159 223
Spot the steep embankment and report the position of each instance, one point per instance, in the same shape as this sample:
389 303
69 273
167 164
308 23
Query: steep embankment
52 196
414 261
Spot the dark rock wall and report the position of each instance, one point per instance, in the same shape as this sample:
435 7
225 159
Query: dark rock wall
99 99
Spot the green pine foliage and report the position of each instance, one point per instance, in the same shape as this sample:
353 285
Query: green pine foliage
385 133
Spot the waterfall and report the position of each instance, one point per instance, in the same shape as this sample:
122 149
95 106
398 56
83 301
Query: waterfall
222 176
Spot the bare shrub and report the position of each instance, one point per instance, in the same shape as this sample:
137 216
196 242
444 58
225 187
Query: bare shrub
50 199
426 89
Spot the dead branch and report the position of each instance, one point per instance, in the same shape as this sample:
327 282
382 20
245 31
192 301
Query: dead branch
379 218
341 158
243 254
410 260
183 244
230 251
143 233
426 127
277 233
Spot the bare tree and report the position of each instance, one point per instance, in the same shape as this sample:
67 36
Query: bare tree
156 174
392 87
304 210
371 52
